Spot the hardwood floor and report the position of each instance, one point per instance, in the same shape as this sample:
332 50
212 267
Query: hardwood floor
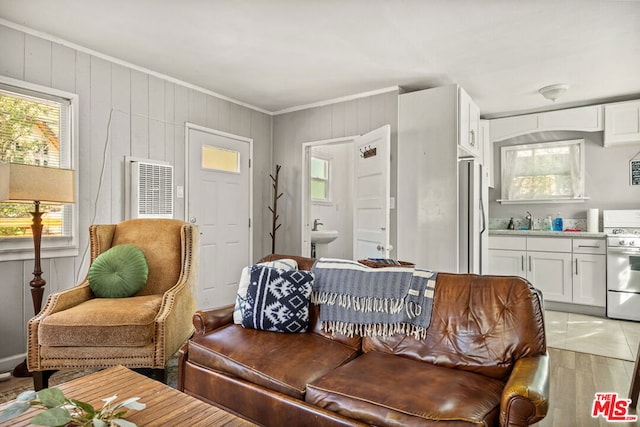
574 380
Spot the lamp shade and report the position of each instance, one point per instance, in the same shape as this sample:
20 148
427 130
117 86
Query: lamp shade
27 183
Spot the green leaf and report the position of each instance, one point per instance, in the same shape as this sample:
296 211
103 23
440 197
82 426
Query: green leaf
51 397
90 410
25 396
53 417
123 423
14 410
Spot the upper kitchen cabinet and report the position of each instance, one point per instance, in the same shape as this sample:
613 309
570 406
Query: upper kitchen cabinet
585 119
468 125
622 123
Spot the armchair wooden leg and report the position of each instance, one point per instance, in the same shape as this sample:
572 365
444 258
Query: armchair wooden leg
41 379
634 390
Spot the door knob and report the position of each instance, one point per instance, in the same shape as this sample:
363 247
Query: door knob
192 220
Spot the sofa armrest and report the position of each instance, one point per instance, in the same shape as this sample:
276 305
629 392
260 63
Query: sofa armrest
206 321
525 399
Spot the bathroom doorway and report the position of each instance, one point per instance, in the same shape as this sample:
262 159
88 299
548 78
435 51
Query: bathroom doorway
346 196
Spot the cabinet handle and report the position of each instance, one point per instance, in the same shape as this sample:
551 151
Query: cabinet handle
576 266
472 142
589 246
522 261
529 262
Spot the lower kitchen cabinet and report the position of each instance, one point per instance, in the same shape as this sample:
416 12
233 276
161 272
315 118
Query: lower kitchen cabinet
589 279
565 270
551 273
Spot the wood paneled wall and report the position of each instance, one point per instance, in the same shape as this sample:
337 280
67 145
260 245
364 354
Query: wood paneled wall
342 119
123 112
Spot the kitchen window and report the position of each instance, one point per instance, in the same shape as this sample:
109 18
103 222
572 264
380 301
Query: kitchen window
320 179
544 173
36 129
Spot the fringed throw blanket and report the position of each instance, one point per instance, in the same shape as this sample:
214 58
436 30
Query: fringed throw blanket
359 300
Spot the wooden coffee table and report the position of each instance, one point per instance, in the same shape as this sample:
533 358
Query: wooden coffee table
165 405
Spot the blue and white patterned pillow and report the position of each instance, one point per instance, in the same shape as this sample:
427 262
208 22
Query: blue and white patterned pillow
278 300
284 264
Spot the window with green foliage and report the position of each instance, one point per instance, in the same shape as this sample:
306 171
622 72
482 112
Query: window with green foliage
34 130
320 180
548 172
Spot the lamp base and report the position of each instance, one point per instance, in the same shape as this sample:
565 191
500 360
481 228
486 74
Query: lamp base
21 371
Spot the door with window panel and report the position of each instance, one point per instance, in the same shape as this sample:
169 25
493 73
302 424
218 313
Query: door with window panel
219 202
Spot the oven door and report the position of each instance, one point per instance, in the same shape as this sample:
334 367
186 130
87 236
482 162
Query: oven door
623 269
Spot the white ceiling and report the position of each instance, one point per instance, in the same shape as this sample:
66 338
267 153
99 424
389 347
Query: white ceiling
279 54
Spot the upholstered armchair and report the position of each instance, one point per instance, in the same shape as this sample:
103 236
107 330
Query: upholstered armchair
76 329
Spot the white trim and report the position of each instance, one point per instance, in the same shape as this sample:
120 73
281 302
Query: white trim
188 126
124 63
8 363
305 237
336 100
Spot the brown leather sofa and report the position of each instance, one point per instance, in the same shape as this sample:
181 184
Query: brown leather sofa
484 362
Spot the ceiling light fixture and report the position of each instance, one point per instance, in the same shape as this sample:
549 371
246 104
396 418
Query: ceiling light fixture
553 92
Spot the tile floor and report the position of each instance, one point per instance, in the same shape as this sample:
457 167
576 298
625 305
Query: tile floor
596 335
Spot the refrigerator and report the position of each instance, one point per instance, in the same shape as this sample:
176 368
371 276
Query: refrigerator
473 195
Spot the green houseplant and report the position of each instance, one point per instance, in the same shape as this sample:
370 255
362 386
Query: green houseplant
62 411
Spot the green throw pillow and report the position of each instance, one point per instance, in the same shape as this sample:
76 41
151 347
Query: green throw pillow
119 272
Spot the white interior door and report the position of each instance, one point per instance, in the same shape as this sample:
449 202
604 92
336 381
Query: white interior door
219 202
371 194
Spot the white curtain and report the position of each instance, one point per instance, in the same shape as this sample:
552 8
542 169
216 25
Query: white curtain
553 170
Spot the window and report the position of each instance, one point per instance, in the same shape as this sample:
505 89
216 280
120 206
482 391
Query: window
546 172
35 129
220 159
320 180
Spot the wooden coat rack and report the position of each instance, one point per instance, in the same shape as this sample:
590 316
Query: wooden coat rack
274 210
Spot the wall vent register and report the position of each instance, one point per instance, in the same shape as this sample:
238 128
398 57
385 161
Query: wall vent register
151 190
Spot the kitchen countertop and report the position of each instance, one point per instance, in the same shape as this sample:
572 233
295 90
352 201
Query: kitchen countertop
546 233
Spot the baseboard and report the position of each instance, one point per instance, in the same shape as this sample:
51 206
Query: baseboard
575 308
8 363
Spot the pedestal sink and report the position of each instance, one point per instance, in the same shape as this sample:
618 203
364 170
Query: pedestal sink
323 236
320 240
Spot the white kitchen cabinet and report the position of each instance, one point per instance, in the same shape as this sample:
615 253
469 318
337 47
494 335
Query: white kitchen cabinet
428 202
468 125
507 262
486 147
622 123
589 269
551 273
589 279
565 270
585 119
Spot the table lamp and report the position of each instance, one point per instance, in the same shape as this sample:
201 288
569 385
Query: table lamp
21 183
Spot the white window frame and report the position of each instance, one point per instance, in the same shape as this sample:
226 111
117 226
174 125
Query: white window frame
580 197
21 248
327 158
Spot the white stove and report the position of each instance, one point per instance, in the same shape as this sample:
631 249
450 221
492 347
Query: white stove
623 263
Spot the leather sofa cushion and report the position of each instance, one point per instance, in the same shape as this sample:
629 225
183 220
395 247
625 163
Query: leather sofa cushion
481 324
103 322
281 362
363 389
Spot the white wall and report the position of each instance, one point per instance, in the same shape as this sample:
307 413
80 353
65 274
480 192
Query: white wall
337 120
338 214
148 121
607 179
